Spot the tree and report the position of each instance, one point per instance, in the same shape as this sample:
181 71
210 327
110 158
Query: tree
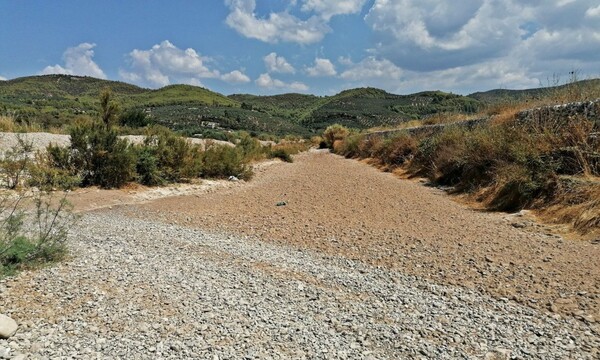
108 108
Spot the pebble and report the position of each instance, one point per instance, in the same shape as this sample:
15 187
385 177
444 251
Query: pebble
8 327
145 289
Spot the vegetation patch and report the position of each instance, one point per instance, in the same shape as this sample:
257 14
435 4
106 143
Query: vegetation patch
551 164
33 230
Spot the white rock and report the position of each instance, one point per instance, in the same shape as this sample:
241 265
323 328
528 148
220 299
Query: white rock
8 327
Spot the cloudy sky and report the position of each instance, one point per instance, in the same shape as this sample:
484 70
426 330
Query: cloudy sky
307 46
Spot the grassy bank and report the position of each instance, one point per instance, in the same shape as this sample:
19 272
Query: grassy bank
551 164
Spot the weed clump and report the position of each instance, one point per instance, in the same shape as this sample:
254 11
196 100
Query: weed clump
33 230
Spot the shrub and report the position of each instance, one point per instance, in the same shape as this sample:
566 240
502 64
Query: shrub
221 161
167 157
14 163
47 175
147 169
349 147
97 155
334 133
34 237
396 150
250 147
282 154
134 118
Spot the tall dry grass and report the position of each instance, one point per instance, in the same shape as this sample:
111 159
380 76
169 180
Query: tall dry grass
507 165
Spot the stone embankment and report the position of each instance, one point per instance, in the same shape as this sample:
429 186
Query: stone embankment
561 113
557 114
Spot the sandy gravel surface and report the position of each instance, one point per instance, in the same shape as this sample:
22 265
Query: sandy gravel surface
344 207
353 264
138 289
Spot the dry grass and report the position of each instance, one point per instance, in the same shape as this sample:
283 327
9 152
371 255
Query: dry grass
577 203
9 124
505 165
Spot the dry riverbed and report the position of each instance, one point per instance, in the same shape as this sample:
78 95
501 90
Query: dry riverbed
353 264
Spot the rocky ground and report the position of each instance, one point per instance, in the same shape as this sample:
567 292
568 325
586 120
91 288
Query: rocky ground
356 265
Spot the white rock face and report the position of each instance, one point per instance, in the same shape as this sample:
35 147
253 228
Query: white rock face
8 327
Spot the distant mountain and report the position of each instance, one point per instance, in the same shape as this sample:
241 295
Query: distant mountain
56 99
53 100
370 107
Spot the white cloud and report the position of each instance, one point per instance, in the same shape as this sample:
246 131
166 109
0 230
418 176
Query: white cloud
278 64
329 8
493 74
164 64
266 81
479 44
372 68
298 86
434 34
77 61
593 12
281 26
235 77
322 67
2 78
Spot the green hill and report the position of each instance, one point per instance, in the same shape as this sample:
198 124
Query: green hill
370 107
294 107
55 100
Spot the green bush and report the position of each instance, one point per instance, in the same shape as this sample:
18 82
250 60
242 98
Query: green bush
167 157
147 168
46 174
282 154
250 147
14 163
29 238
221 161
134 118
96 155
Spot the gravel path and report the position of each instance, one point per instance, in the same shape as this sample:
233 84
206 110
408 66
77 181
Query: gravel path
138 289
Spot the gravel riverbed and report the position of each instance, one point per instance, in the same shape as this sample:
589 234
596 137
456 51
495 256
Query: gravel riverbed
146 289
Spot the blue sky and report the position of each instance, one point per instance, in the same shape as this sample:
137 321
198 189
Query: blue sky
310 46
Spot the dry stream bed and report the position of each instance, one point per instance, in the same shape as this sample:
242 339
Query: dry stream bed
357 264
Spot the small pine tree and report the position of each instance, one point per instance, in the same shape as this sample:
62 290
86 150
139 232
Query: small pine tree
108 108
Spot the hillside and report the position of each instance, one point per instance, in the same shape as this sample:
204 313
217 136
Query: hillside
370 107
56 100
53 100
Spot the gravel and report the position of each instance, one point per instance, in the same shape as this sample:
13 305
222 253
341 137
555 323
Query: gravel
139 289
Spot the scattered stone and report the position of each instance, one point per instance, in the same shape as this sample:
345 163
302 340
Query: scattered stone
8 327
233 178
519 225
281 203
170 291
498 354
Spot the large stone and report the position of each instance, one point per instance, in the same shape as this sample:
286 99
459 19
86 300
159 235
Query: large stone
8 327
498 354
